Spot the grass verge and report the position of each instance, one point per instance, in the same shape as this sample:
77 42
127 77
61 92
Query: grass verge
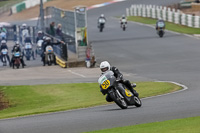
27 100
9 2
186 125
169 26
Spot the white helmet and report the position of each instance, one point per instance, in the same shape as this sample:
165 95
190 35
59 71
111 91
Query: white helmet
3 42
104 66
102 15
24 25
39 32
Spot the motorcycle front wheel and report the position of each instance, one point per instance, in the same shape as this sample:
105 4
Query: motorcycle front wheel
118 100
138 102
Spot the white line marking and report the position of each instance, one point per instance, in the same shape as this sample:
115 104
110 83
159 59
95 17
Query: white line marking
184 88
51 113
77 74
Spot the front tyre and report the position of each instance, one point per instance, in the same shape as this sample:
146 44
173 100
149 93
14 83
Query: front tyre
138 102
118 100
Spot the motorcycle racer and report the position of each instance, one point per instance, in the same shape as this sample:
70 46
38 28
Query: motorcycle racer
105 66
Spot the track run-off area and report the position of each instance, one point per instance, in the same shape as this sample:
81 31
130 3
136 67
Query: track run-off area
140 54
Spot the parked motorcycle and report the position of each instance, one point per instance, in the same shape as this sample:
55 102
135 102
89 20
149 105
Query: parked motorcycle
101 24
39 47
4 53
123 24
49 55
17 62
117 91
28 51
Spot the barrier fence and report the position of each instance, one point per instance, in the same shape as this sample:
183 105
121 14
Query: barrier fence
74 28
167 14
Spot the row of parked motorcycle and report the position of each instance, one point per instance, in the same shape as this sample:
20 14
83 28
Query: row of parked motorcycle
27 52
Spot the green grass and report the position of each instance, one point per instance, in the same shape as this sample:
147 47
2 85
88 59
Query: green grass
27 100
10 2
187 125
169 26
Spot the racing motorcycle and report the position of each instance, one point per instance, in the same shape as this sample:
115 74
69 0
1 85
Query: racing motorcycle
123 24
49 55
117 91
17 62
39 47
4 53
101 24
160 30
28 51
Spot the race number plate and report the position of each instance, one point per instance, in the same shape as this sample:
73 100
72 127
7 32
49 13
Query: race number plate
105 84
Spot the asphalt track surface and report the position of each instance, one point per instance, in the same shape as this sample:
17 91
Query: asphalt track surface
137 52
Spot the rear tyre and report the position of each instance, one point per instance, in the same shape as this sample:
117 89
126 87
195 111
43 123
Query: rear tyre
124 28
17 66
161 34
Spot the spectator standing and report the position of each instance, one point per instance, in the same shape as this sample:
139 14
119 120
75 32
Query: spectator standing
59 31
52 30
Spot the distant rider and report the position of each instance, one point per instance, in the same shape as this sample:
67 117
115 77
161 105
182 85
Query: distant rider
123 19
101 17
40 36
160 24
48 42
105 66
16 48
4 46
24 32
28 40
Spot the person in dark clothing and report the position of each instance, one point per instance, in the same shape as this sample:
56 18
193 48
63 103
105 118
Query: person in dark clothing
59 32
4 46
39 36
16 48
160 24
52 29
105 66
46 43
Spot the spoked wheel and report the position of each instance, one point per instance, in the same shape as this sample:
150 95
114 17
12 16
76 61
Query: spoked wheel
119 100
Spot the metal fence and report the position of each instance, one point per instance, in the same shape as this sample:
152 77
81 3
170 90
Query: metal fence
70 22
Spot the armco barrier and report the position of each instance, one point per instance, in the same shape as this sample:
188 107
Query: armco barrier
61 62
167 14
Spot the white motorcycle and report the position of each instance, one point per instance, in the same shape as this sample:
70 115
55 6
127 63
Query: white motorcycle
101 24
39 47
123 24
160 30
4 53
49 55
28 51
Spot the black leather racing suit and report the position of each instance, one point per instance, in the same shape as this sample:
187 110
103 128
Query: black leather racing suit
127 83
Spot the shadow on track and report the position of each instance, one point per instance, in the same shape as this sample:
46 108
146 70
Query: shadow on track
119 109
